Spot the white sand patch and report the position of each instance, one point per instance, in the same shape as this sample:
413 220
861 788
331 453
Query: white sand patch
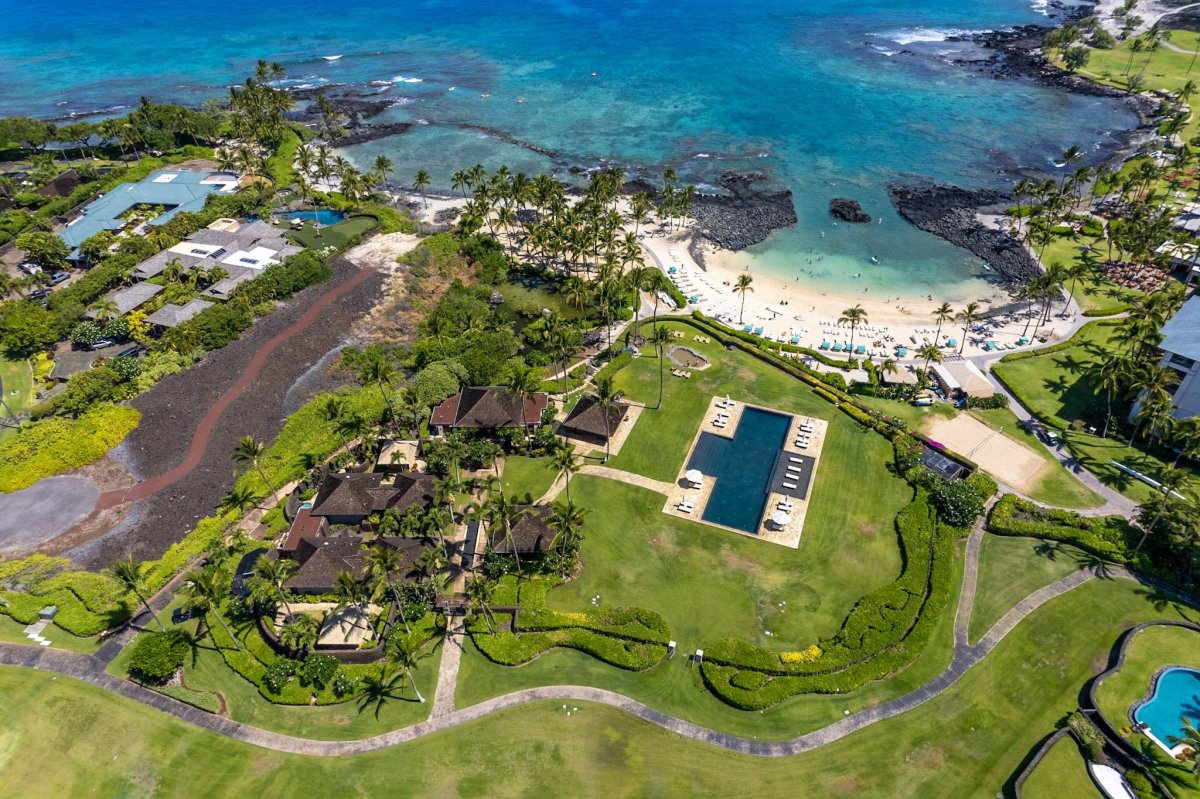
1009 461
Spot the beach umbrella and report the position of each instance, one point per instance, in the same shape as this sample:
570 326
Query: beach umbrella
780 518
695 477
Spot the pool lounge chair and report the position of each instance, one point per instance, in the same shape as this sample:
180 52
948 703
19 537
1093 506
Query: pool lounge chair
802 444
837 346
686 507
785 504
794 459
792 486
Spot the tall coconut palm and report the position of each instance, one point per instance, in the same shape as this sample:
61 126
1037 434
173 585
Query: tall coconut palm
942 314
248 454
1170 480
745 283
276 571
377 371
421 182
500 511
479 598
404 656
660 337
930 352
128 573
1110 377
456 449
206 588
968 316
522 382
300 634
606 396
383 168
565 462
384 563
854 317
566 520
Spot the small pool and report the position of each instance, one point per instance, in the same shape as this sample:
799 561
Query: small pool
1176 694
742 467
322 216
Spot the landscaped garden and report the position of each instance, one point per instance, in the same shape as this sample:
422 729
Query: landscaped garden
1061 773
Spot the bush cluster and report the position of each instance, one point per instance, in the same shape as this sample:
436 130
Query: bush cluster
55 445
154 657
1109 537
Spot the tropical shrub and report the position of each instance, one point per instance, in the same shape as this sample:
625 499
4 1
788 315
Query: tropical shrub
957 501
278 674
319 670
156 656
1107 536
54 445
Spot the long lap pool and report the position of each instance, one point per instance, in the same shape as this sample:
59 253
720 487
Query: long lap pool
743 468
1176 694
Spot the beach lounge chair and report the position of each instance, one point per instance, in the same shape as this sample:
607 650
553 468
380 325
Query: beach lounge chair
837 346
824 345
747 328
785 505
795 339
758 331
860 349
802 444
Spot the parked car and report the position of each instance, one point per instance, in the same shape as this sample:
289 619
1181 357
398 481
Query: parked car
39 294
101 344
180 615
59 277
130 352
1052 438
30 268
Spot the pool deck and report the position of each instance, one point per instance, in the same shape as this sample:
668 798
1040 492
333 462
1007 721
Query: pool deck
789 535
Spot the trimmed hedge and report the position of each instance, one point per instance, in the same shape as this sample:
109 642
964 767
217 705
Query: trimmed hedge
56 445
629 638
1110 537
760 343
884 632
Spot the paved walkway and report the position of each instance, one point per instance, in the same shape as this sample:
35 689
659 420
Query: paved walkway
90 669
452 644
199 443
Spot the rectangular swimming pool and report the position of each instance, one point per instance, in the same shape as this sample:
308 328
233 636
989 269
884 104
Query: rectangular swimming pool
742 467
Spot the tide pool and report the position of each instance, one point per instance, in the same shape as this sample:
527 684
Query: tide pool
829 98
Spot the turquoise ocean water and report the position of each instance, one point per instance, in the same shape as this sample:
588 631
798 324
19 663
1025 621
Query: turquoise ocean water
828 97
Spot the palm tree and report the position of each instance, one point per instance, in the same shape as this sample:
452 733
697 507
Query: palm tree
129 574
888 367
404 656
930 352
377 371
660 337
854 317
1191 741
1170 480
1070 156
943 313
968 316
248 453
565 462
301 633
744 284
456 449
1110 377
522 382
383 168
479 598
421 182
204 589
383 562
276 571
606 396
566 520
498 509
105 309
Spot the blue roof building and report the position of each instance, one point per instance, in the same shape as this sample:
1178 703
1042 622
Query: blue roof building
173 189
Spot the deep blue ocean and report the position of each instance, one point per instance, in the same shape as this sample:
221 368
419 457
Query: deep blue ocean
829 97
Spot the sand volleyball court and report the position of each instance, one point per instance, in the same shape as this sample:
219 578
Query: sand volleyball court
1009 461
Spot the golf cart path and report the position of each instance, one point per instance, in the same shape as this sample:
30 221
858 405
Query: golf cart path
91 669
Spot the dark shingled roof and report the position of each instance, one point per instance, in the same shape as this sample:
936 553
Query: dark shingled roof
322 559
489 407
592 419
62 185
363 494
531 533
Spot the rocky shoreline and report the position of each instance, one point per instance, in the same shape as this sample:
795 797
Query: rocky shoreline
746 215
951 213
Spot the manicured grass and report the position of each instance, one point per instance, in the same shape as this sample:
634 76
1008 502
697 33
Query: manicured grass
17 379
965 743
1012 568
675 686
1095 294
1152 649
11 631
1059 487
1059 384
1062 773
527 476
336 236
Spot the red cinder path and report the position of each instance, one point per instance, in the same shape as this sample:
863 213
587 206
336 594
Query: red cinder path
200 438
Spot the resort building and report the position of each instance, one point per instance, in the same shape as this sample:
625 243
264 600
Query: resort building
352 498
242 252
172 315
173 190
322 558
488 408
591 421
1181 352
128 299
962 379
530 534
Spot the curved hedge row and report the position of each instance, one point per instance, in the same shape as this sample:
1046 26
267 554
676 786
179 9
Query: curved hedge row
884 632
1109 537
630 638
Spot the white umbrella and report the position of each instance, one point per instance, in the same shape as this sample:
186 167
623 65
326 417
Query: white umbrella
780 519
694 476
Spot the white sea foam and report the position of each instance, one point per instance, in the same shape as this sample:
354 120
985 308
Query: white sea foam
702 155
331 57
402 79
906 36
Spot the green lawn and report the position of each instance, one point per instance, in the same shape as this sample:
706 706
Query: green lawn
17 379
527 476
58 738
1012 568
1061 774
1152 649
336 236
1095 294
11 631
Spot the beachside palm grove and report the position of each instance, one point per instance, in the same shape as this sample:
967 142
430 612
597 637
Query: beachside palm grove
319 478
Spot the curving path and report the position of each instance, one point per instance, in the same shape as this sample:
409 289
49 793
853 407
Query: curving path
90 669
199 443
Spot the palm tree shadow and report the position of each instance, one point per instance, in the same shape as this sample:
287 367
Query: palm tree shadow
1050 550
1093 563
1057 385
1163 600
